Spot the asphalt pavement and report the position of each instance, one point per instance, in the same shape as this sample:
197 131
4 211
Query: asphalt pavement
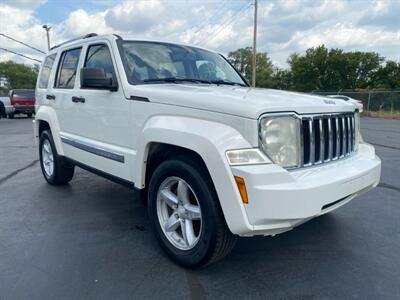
91 239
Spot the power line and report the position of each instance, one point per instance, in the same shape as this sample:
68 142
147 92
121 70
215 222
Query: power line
39 61
216 13
228 22
22 43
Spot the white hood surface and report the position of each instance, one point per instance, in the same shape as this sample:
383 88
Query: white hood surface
240 101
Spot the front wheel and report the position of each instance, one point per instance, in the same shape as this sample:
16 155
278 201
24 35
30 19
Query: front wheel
55 169
186 216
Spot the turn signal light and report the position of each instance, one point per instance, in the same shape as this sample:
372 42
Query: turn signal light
242 189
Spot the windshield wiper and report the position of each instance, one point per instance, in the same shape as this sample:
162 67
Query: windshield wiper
195 80
226 82
176 79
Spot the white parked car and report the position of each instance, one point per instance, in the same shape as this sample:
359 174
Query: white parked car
357 103
7 108
216 158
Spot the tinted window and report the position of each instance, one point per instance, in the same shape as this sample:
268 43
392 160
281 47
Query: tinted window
46 70
98 56
67 69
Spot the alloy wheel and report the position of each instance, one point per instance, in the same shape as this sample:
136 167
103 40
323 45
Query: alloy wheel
47 158
179 213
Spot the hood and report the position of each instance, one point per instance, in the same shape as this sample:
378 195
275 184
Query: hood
240 101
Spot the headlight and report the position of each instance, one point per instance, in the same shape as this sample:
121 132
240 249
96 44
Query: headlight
279 139
358 137
246 157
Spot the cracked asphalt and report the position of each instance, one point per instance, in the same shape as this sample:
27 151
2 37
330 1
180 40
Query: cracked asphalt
91 239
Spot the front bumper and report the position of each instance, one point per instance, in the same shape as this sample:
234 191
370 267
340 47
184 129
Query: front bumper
279 199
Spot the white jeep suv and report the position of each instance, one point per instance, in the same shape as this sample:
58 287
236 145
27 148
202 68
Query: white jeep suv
216 158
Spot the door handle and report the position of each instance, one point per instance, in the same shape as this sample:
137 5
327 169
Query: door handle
50 97
78 99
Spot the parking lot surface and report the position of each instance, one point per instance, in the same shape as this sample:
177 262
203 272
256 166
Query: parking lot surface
91 239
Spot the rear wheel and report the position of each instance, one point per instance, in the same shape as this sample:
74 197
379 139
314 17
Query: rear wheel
55 169
10 116
185 213
29 115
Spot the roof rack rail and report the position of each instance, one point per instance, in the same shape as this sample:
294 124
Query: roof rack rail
89 35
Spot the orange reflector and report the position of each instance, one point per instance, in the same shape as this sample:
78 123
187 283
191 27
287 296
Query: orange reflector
242 189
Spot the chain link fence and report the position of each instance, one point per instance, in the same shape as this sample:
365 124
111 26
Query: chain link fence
377 103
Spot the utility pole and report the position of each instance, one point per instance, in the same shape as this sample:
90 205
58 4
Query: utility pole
47 28
253 81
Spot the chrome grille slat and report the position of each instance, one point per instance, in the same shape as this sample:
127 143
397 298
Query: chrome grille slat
348 136
321 141
330 135
343 143
344 135
353 134
312 141
301 155
337 154
326 138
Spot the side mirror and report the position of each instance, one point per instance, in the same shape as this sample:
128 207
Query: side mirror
95 78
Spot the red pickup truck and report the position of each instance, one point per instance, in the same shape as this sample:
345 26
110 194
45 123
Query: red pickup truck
23 101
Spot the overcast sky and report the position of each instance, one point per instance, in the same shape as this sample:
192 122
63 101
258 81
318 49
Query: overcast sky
224 25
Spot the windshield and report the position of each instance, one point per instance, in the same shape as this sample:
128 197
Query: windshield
150 62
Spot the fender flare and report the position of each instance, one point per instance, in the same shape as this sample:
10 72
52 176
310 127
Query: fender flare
47 114
209 140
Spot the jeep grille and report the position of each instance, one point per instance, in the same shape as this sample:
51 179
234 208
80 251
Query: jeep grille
326 138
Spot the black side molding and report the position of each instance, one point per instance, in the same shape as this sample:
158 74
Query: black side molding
94 149
138 98
105 175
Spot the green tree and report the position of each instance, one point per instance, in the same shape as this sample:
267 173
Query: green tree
360 69
281 79
388 76
19 75
334 69
309 71
242 60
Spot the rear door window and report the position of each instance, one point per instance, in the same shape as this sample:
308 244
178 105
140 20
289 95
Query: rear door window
67 69
46 70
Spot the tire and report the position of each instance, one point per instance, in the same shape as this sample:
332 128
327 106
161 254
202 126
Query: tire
55 169
212 239
2 110
10 116
29 115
